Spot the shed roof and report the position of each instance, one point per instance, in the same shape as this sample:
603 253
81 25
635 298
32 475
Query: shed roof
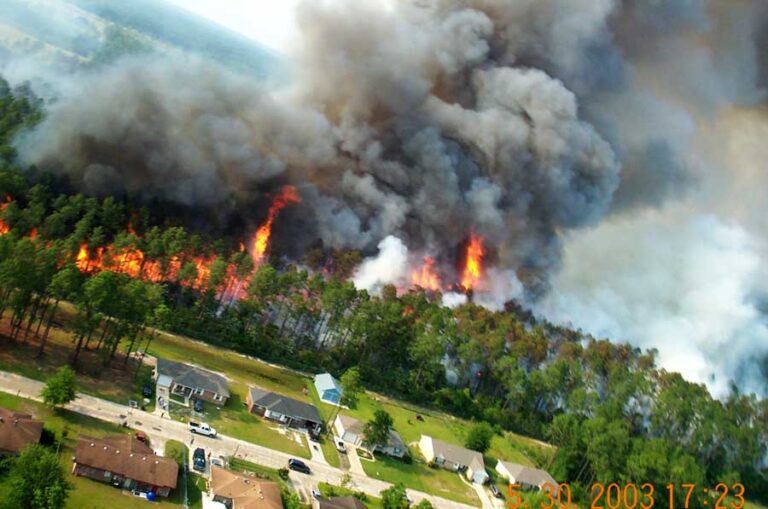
193 376
18 430
326 382
164 381
284 405
126 456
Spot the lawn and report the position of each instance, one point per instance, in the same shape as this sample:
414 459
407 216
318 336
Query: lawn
87 494
419 476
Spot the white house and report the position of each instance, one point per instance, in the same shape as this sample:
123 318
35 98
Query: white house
527 478
350 430
453 457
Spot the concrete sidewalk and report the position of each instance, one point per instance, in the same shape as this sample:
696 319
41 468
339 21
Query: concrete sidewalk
166 429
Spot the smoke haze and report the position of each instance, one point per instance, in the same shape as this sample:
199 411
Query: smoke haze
602 129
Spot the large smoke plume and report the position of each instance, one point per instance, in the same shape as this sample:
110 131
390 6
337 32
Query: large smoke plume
409 126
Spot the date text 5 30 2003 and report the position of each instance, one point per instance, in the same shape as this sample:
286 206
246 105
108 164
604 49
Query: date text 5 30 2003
632 496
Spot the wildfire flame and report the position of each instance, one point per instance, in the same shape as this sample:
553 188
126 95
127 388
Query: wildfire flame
4 228
473 268
287 195
427 276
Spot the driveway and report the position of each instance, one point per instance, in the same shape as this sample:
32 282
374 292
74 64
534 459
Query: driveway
166 429
355 463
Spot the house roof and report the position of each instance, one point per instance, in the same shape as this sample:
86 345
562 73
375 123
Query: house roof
245 492
326 382
352 425
284 405
456 454
192 376
18 430
526 475
126 456
342 503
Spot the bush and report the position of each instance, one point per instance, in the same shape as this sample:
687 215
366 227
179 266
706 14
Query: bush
283 473
47 437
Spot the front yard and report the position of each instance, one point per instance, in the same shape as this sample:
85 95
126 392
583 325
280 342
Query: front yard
421 477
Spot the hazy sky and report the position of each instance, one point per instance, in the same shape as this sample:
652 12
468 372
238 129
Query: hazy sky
271 22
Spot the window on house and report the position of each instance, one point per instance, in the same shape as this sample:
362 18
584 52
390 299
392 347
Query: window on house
217 397
199 391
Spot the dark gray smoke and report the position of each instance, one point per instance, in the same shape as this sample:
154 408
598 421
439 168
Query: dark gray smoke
520 120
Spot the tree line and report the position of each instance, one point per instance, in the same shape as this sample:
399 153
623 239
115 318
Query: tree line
613 415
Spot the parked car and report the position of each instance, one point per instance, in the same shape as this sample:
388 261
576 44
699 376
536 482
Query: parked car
316 494
198 406
202 428
341 446
217 462
496 491
142 437
299 466
198 459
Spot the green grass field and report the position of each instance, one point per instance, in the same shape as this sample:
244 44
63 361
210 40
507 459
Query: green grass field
419 476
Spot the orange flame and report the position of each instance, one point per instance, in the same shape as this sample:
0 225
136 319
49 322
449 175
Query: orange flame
473 268
288 195
4 228
427 277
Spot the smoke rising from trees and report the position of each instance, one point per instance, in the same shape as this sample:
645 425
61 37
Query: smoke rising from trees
526 121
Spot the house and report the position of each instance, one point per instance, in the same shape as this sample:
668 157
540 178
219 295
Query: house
350 430
17 431
328 388
237 491
289 411
453 457
527 478
340 503
181 383
125 462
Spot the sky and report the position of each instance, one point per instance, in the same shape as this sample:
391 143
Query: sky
270 22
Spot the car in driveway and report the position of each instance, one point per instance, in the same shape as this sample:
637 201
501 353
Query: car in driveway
495 491
198 459
299 466
218 462
340 446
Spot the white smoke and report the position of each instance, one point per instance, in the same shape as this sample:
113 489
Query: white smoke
389 266
689 287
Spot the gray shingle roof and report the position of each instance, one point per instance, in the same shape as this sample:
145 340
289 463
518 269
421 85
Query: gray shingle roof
459 455
284 405
194 377
526 475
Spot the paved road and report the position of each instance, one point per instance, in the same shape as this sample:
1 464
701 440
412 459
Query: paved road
160 430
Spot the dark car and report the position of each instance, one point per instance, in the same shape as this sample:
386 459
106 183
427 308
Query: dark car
198 405
299 466
496 492
198 459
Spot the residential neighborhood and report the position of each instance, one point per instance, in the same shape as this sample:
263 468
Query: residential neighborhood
453 457
351 431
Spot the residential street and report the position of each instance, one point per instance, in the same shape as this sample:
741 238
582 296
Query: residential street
160 430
